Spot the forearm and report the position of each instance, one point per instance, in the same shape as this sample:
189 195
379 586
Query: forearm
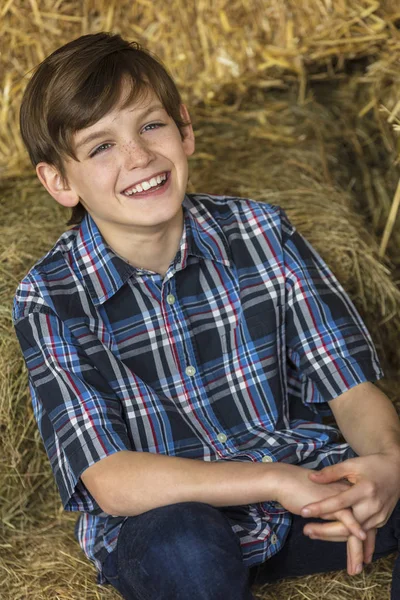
130 483
367 420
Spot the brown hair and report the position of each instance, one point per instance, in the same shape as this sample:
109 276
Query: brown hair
77 85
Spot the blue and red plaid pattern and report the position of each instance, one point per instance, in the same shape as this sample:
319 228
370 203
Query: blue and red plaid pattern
233 355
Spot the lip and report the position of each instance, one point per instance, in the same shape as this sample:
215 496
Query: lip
151 193
145 179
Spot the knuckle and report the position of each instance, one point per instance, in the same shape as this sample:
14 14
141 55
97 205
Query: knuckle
382 520
371 489
377 505
341 485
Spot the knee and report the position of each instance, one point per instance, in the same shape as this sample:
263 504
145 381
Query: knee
191 530
184 532
174 546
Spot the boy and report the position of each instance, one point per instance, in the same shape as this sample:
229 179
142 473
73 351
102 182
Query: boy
179 350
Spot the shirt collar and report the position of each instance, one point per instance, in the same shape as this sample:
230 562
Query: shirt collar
104 272
204 236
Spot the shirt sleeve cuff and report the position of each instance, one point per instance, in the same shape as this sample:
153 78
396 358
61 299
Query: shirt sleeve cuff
74 495
343 375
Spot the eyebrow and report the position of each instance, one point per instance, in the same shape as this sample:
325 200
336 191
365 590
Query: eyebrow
99 134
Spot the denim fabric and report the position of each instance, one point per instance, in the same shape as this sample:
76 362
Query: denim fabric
184 551
188 551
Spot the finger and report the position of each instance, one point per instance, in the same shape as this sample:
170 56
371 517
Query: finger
369 546
375 522
334 531
346 516
355 555
350 522
341 525
333 504
330 474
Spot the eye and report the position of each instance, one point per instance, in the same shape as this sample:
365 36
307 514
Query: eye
152 126
100 149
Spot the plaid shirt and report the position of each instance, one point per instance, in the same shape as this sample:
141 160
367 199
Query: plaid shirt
232 355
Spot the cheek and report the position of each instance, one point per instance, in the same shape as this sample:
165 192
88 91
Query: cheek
96 181
168 140
102 173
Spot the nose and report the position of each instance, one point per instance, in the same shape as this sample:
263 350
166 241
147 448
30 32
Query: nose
136 154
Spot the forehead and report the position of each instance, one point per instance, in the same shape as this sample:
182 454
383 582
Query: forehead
133 100
144 102
135 97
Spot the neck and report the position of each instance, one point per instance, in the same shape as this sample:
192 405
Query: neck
151 250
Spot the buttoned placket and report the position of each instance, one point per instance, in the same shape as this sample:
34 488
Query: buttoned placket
170 306
170 309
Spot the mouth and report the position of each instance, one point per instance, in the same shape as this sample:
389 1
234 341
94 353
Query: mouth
148 187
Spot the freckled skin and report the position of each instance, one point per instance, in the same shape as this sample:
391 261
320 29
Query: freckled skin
135 148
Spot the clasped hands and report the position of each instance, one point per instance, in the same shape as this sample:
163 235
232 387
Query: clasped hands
370 489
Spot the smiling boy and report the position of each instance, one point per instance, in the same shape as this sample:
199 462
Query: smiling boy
179 348
130 207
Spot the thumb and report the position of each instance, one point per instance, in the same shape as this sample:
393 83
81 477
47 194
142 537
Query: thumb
329 474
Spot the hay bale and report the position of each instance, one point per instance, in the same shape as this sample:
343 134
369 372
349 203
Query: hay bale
263 147
330 160
206 45
367 147
383 77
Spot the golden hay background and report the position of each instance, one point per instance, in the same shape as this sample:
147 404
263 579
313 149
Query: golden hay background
206 44
294 102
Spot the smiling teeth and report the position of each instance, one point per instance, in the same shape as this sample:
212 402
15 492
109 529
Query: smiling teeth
146 185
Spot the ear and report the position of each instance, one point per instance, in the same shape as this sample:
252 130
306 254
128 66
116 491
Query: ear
187 132
56 185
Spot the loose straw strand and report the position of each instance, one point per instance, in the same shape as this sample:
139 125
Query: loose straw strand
390 222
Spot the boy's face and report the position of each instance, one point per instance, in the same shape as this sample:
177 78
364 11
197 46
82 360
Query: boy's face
132 171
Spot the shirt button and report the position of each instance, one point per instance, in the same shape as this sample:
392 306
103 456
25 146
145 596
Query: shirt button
222 438
267 459
274 539
170 298
190 371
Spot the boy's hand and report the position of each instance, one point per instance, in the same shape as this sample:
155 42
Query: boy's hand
296 489
373 495
342 527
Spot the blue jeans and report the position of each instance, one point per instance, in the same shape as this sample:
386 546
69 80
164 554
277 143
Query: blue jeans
188 551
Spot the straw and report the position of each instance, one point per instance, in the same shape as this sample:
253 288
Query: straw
38 555
293 103
390 222
206 45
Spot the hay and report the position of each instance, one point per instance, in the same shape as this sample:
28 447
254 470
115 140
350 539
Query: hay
265 147
323 147
368 144
206 45
209 48
384 78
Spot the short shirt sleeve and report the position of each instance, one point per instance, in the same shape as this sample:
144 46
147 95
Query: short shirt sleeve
326 339
78 414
